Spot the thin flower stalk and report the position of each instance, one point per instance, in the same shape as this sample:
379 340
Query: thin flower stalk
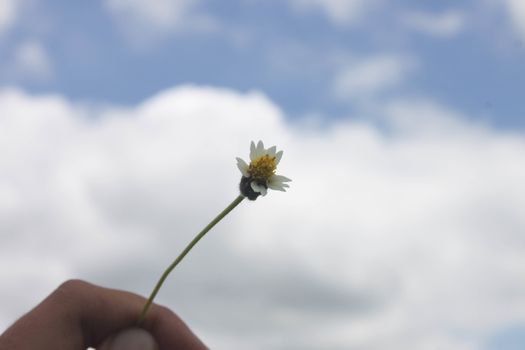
257 177
186 250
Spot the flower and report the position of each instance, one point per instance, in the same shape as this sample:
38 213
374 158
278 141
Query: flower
260 175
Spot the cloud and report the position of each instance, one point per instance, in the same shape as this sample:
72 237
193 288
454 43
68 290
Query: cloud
31 61
341 12
516 12
8 12
404 236
446 24
143 19
371 76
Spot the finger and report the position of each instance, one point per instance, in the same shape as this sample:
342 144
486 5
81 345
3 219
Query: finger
103 312
161 323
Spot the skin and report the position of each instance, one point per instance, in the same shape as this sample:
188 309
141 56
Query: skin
78 315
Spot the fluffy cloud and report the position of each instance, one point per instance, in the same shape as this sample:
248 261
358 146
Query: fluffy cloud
31 61
8 9
371 76
28 62
145 19
445 24
339 11
407 236
516 11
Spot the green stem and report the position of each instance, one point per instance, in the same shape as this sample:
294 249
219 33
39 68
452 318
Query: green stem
183 254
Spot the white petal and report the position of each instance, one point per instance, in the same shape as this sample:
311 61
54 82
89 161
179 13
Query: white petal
271 151
276 182
279 179
275 186
255 187
259 150
258 188
243 167
252 151
278 157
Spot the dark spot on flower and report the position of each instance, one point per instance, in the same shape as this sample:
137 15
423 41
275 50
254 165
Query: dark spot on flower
247 190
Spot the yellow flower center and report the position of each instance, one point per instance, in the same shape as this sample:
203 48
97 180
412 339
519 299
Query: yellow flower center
262 168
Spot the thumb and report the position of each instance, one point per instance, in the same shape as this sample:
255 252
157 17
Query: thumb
130 339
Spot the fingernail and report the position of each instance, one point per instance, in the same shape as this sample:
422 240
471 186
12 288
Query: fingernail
133 339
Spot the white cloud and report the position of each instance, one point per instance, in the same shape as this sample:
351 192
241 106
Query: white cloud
8 10
445 24
339 11
516 12
371 75
31 61
145 19
404 238
162 13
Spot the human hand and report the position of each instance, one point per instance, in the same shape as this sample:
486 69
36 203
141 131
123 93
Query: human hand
79 315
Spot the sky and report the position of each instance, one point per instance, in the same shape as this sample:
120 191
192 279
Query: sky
402 128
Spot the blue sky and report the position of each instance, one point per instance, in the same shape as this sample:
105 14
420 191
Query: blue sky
472 59
402 127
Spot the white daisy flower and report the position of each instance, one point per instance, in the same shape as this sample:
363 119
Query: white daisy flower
260 175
